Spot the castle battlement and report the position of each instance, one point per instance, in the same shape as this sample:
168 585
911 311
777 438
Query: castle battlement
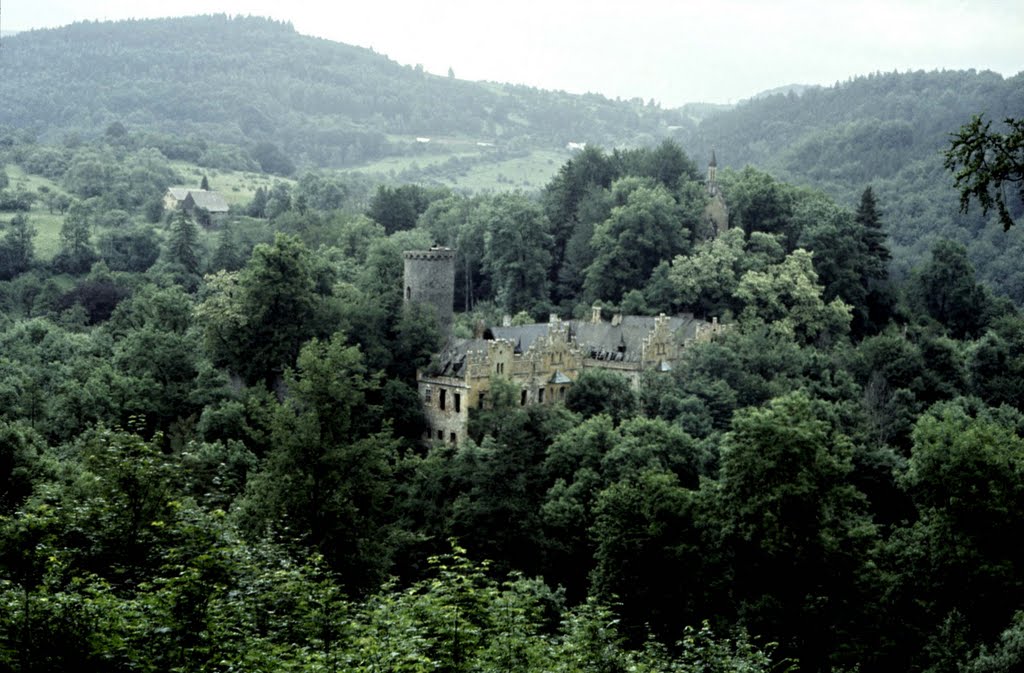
430 255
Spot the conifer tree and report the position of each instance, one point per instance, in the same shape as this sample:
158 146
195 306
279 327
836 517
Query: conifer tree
873 235
184 242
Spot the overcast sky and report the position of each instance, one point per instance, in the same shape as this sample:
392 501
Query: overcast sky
674 51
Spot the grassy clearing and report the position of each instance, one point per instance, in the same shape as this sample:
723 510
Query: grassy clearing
528 173
47 224
237 187
393 166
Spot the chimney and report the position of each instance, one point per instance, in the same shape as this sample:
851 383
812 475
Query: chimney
506 320
595 314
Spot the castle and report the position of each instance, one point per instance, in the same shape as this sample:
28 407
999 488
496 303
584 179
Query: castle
542 360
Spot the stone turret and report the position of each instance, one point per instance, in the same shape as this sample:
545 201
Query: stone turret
429 279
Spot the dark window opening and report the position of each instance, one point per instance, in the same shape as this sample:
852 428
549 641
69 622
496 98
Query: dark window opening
540 396
408 293
458 403
441 399
452 437
522 398
440 435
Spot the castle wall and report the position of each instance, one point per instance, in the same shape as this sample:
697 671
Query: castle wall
429 279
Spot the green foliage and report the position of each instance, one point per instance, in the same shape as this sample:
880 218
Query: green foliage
646 226
794 521
788 299
841 498
949 293
516 251
183 243
398 208
76 253
598 391
256 320
983 161
17 249
134 249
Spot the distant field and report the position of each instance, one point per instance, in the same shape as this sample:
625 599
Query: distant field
47 224
528 173
237 187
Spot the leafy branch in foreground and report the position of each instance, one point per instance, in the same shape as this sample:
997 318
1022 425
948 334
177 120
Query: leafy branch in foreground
983 161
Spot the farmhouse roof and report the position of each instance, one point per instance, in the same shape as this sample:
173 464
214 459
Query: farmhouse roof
209 201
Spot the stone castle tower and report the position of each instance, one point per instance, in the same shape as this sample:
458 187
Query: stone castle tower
430 280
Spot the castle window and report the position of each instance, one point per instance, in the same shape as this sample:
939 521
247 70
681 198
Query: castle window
561 393
441 399
452 437
458 403
408 293
440 435
480 400
499 368
540 396
522 398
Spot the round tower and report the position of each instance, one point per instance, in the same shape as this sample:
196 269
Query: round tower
429 279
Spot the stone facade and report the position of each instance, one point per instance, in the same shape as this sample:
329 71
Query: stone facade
543 360
429 279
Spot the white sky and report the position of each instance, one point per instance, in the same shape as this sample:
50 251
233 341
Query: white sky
674 51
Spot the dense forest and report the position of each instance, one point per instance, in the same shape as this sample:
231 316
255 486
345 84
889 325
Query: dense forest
887 129
210 431
252 94
246 90
211 456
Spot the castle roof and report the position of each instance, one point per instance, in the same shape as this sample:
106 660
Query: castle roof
619 341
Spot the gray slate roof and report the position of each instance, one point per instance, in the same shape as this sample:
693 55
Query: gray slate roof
601 341
210 201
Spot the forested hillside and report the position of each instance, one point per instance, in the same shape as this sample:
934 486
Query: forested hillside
249 82
210 438
888 130
211 451
252 94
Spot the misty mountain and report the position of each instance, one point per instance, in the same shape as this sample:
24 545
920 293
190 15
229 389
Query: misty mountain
251 93
243 81
884 130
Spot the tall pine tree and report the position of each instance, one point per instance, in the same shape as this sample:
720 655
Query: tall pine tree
875 269
184 243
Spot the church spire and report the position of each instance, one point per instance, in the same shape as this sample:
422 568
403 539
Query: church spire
712 169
